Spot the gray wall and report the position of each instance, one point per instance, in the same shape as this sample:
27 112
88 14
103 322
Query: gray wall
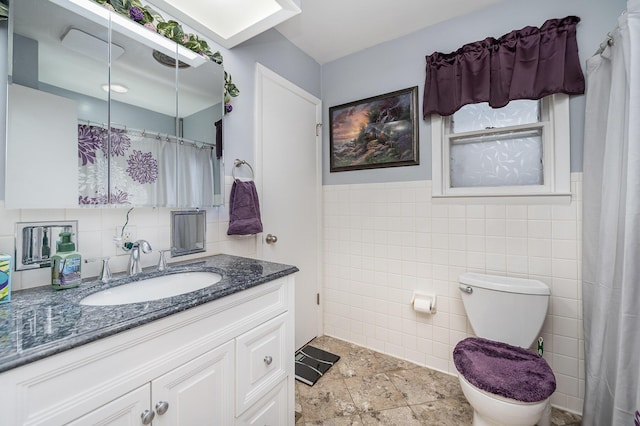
25 65
400 64
200 126
133 117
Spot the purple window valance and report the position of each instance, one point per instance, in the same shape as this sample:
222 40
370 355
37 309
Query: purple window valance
530 63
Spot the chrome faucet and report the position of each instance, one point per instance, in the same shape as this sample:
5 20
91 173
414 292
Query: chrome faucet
134 259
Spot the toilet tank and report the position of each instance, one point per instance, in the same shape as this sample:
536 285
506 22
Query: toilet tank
505 309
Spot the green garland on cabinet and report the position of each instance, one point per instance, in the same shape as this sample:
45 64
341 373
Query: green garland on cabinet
149 18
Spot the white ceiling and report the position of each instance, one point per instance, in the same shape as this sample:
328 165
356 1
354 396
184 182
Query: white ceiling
330 29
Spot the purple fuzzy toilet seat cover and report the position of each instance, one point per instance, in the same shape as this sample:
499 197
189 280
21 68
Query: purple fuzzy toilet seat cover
504 370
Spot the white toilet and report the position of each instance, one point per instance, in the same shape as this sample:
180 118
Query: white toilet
505 383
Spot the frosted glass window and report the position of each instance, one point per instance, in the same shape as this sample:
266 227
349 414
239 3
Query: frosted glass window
481 116
519 152
506 159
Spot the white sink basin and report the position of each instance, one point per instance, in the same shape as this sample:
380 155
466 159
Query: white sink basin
153 288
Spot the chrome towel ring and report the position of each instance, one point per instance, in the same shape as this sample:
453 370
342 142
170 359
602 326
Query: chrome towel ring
238 163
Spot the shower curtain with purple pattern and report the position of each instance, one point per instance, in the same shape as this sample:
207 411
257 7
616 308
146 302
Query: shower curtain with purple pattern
143 169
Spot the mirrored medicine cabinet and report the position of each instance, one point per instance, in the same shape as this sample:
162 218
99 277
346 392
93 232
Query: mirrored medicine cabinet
105 112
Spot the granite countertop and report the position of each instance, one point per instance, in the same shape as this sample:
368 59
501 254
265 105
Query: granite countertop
41 321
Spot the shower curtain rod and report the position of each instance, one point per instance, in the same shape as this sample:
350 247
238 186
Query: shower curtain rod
608 42
605 44
167 137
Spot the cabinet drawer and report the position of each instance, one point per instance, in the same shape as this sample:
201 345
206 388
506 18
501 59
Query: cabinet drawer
261 361
271 410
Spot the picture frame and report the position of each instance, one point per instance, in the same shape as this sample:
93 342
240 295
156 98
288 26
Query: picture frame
376 132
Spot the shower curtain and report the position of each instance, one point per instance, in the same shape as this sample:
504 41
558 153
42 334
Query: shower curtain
146 169
611 228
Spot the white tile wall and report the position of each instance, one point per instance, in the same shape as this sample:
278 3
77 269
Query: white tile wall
97 227
383 241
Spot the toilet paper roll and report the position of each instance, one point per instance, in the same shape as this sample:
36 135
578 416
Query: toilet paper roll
423 304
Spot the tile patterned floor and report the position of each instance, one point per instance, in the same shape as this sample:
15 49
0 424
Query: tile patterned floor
369 388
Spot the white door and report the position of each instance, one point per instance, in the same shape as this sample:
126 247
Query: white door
289 179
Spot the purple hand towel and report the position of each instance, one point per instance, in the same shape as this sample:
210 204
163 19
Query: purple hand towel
244 209
504 370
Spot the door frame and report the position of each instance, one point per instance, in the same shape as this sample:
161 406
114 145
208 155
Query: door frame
262 72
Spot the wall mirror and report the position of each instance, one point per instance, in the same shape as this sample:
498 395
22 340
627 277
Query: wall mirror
102 111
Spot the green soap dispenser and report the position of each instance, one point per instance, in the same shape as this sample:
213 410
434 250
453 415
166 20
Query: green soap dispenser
65 264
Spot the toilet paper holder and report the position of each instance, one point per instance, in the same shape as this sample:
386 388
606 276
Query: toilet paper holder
423 302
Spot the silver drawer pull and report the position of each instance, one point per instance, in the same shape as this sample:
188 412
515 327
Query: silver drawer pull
268 360
466 288
147 417
162 407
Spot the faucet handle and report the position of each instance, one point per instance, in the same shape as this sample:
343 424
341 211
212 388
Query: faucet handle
105 273
162 262
143 245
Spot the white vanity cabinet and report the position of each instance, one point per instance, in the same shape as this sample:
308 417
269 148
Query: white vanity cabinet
196 393
229 361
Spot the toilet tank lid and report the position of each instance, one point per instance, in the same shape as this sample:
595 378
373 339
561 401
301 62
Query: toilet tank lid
506 284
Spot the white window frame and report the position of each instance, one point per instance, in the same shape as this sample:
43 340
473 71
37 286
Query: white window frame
555 153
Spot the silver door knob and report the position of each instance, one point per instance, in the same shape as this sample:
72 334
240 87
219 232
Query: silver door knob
268 360
162 407
271 239
147 417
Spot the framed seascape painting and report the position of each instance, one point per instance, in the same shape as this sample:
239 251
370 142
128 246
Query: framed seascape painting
376 132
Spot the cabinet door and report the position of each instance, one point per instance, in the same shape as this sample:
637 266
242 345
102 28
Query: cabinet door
199 392
124 411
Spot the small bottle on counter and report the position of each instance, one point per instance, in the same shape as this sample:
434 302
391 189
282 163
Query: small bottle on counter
65 264
46 250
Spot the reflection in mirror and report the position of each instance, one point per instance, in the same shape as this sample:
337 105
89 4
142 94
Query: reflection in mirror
62 53
133 146
200 112
143 119
37 242
59 62
42 324
188 232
